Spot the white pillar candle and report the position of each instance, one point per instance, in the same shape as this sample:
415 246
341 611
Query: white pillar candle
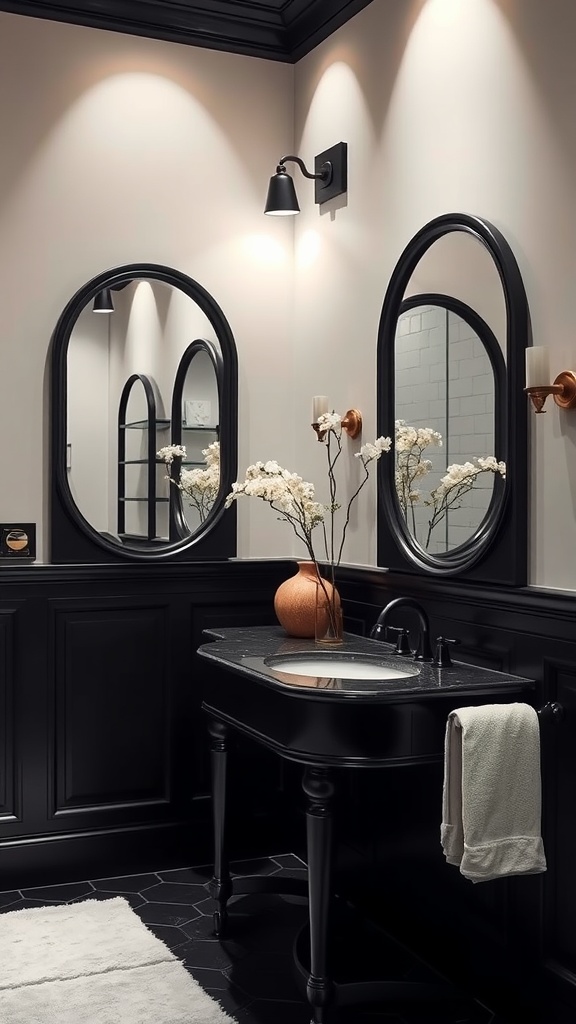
537 367
319 407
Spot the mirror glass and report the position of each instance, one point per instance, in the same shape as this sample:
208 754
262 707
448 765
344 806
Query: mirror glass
147 334
451 340
144 411
446 366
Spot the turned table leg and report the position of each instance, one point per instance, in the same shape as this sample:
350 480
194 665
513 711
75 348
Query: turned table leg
319 788
220 886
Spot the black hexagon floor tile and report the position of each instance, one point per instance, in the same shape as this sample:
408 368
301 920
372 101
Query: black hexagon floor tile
196 953
231 1000
250 970
209 978
206 907
268 1011
125 883
8 899
289 860
133 898
175 892
266 976
195 876
170 935
59 893
255 866
202 927
168 914
23 904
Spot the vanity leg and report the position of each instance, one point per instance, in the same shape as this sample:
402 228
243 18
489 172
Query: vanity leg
319 788
220 886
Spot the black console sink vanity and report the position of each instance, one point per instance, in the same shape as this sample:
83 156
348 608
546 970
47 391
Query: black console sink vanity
326 710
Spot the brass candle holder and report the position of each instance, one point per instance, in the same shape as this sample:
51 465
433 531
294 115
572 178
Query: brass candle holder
563 389
351 423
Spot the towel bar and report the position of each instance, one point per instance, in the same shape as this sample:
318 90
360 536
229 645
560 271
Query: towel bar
552 712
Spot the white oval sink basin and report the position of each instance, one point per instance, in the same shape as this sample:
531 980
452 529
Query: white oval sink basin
340 665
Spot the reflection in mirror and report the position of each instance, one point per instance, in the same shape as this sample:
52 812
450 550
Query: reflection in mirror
125 385
193 457
453 329
142 501
445 435
144 337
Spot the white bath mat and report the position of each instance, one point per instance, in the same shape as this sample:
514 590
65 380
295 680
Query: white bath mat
94 962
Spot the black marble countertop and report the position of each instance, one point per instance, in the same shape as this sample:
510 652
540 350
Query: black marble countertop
253 650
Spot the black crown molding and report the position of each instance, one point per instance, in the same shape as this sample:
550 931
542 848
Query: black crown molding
283 30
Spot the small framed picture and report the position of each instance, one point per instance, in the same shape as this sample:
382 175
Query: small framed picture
197 412
17 542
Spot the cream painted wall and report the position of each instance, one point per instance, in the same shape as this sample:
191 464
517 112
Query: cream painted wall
115 150
446 106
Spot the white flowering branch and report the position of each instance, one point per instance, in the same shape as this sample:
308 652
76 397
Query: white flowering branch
455 484
294 498
199 486
410 443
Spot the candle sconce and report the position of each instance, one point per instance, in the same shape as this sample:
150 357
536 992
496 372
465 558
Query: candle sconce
537 381
563 389
351 421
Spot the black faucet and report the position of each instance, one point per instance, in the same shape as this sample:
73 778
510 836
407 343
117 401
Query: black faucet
423 651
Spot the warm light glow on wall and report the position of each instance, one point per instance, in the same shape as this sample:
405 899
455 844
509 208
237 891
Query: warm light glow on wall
307 250
337 100
445 12
264 250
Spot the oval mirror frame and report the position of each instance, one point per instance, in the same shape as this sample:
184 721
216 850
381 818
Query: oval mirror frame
497 551
72 538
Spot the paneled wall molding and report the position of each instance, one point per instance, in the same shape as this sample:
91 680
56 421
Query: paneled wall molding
100 692
376 584
10 779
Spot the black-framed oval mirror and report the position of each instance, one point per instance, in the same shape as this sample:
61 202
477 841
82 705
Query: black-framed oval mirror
450 389
126 381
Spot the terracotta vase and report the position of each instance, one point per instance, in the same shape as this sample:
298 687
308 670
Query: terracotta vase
296 600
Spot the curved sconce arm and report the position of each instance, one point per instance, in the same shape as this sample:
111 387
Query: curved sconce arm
324 174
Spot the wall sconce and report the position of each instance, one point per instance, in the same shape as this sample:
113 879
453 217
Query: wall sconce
103 302
538 381
351 421
330 176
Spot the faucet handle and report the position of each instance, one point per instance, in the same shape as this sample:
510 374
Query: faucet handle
442 657
402 641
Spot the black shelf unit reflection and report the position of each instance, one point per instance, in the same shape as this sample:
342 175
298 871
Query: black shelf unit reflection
150 425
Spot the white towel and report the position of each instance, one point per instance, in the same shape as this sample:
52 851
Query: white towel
491 801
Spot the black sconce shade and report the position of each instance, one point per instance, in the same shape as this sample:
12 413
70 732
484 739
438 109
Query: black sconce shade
103 302
281 200
330 180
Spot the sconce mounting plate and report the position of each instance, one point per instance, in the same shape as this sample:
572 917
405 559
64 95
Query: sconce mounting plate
337 184
567 397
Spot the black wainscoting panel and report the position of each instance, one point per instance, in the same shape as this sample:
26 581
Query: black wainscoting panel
112 714
513 939
100 693
560 933
102 741
9 752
